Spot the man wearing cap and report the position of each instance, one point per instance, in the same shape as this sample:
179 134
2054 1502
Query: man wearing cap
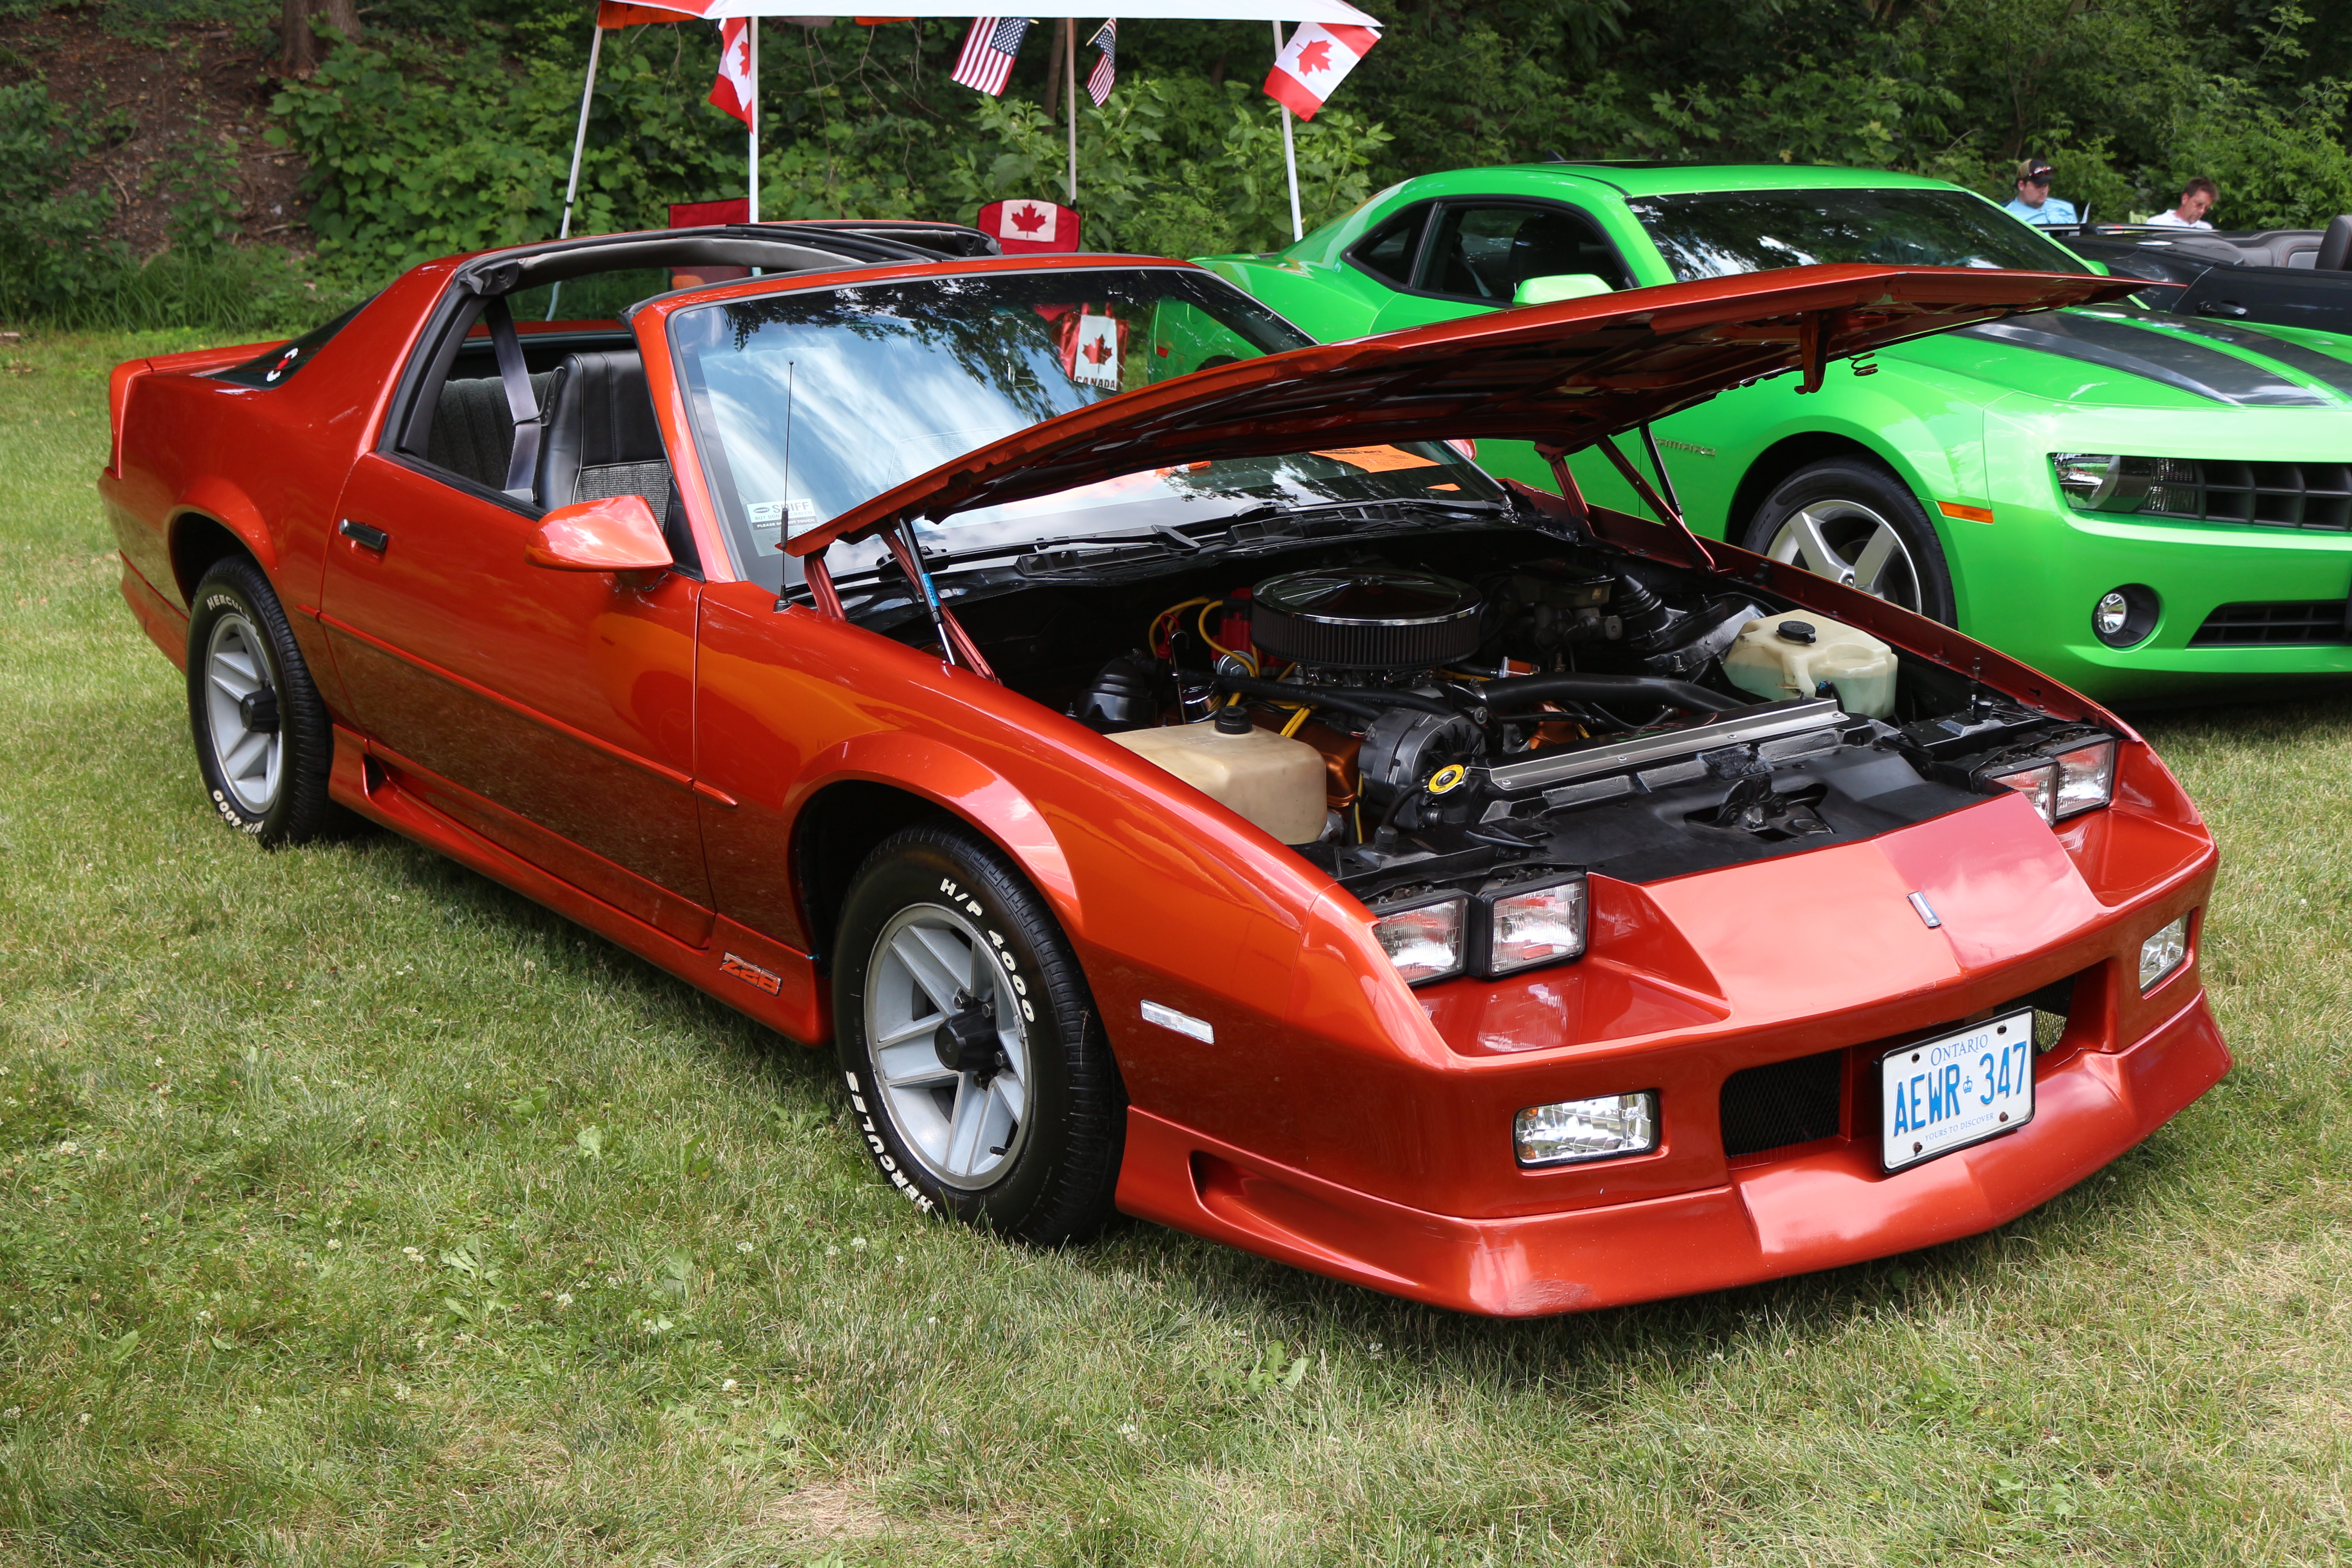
2033 202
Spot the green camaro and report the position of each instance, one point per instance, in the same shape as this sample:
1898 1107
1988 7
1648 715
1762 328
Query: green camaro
2145 505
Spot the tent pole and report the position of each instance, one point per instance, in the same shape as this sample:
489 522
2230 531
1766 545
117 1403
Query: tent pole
579 146
1070 95
755 120
1289 154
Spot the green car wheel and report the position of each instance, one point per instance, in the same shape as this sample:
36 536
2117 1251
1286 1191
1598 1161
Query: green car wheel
1855 522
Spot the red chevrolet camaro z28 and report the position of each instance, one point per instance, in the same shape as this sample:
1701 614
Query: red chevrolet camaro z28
1168 771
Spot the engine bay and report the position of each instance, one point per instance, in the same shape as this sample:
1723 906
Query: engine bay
1449 707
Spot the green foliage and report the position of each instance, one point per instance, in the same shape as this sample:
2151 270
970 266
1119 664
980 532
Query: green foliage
2279 165
50 252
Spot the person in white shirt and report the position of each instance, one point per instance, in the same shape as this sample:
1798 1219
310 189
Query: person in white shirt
2032 201
2196 200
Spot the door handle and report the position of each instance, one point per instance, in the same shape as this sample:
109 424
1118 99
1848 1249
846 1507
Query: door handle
366 538
2219 308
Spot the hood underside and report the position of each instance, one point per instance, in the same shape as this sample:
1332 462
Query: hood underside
1562 375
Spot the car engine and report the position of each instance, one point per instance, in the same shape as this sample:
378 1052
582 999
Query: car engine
1430 716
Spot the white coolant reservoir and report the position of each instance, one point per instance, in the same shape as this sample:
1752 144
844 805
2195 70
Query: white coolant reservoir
1797 655
1258 775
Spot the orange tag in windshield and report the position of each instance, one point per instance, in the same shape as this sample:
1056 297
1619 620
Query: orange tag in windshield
1376 460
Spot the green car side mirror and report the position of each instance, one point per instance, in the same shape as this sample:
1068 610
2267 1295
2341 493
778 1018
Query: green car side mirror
1558 286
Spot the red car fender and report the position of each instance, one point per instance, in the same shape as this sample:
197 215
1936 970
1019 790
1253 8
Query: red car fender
957 781
221 501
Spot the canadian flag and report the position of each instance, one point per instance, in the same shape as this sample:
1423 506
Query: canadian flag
733 90
1025 227
1317 59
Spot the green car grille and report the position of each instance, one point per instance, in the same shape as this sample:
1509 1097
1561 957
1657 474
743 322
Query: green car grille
2277 495
2284 623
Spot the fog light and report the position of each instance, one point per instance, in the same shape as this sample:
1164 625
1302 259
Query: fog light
2162 953
2126 616
1424 942
1575 1129
1529 927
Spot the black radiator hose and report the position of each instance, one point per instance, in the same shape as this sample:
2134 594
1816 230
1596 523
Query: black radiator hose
1525 691
1364 702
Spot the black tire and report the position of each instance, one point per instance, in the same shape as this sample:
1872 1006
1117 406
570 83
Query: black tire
1849 500
238 636
1053 1178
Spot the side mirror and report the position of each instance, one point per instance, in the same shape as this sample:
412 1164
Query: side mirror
1560 286
618 534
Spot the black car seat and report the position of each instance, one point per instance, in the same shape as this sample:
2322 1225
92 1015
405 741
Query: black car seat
473 429
600 440
2335 246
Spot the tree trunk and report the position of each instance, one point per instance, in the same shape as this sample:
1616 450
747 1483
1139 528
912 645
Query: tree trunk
298 44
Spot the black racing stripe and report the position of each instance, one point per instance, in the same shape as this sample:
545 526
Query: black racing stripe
2325 369
2158 356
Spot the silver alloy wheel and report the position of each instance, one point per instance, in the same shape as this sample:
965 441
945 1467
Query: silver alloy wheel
241 713
1848 543
933 967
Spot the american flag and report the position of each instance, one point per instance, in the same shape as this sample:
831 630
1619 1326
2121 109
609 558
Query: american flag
1106 69
988 50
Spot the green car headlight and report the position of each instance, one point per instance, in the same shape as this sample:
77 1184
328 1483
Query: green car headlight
2106 482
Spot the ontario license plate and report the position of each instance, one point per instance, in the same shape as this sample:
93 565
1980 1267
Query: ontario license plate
1960 1088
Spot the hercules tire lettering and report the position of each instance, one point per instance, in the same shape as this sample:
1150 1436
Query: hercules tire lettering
300 810
1058 1184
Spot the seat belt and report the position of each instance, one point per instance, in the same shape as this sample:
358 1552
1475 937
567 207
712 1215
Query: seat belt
522 468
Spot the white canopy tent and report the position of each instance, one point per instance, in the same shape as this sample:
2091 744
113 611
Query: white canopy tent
643 11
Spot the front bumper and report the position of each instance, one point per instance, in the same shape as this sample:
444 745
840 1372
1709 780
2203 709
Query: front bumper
2028 581
1823 1207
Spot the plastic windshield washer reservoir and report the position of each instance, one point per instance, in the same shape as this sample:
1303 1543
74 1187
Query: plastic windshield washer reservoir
1797 655
1272 782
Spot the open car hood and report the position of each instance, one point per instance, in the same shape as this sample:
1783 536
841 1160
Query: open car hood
1562 375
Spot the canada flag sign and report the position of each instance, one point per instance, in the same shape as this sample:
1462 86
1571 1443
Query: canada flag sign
1028 227
1317 59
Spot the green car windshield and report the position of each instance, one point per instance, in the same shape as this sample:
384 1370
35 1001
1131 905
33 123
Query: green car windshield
1717 234
809 404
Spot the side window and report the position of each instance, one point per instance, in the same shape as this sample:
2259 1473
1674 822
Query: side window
1485 252
1387 252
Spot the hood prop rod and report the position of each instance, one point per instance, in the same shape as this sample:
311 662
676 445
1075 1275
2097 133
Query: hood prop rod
954 641
1668 513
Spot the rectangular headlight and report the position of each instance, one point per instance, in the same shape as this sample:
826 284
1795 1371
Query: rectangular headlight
1425 941
2037 781
1598 1129
2067 780
2162 953
1527 927
2086 778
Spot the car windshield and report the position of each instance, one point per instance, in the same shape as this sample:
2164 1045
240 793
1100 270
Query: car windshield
1716 234
807 404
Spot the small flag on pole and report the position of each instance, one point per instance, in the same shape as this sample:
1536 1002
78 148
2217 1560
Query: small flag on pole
733 90
1317 59
1106 71
986 62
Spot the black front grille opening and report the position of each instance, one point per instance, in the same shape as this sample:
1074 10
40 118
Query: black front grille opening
2269 495
1782 1103
2304 622
2052 1005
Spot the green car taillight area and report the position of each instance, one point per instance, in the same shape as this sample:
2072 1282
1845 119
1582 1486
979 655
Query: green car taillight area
2146 506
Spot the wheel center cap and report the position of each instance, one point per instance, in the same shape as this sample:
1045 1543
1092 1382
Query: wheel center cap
967 1041
257 711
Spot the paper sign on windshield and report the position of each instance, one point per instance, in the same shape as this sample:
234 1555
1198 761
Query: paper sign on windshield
1096 363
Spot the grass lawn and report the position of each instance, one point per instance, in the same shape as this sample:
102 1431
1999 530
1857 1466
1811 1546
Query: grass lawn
355 1210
